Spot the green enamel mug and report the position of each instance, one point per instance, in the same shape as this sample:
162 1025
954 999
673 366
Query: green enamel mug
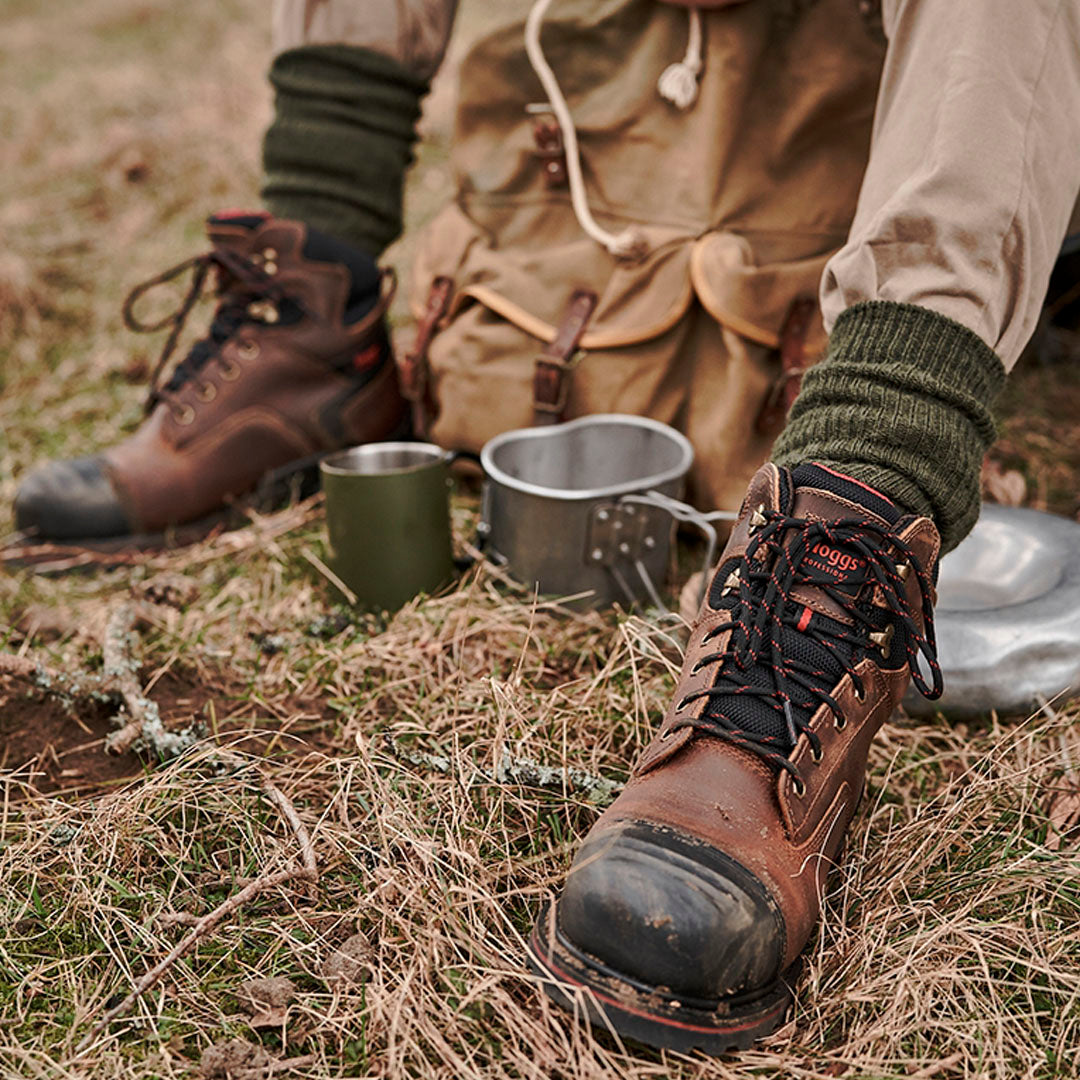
388 521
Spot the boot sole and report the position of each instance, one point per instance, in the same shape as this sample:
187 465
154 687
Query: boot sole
652 1016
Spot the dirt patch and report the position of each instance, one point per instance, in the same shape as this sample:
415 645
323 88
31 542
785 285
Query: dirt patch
44 748
47 747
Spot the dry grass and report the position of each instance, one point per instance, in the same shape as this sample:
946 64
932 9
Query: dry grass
950 946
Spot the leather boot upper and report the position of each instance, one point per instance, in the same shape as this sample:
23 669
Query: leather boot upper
286 374
745 820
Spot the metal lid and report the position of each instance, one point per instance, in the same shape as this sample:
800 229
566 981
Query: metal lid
1008 615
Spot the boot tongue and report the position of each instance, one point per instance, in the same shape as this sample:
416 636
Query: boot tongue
826 483
821 492
235 229
815 491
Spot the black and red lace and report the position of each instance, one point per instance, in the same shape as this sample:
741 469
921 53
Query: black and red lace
783 661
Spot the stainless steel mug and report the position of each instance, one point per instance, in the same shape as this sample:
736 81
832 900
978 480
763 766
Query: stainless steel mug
388 521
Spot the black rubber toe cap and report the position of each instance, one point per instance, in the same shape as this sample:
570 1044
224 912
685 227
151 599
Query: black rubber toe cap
670 912
70 500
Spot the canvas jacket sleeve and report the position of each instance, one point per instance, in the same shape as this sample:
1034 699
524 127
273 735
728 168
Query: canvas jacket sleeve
412 32
974 165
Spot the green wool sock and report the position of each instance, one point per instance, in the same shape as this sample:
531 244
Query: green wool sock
342 137
901 401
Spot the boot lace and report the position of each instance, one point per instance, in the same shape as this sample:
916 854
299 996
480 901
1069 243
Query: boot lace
249 295
765 613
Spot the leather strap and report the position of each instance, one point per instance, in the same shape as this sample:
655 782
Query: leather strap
551 379
549 148
415 369
793 365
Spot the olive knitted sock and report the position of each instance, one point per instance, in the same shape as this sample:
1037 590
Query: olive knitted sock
902 402
342 137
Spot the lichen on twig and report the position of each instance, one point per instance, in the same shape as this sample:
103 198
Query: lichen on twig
520 770
145 725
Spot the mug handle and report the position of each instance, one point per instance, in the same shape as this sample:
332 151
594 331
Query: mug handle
466 562
454 456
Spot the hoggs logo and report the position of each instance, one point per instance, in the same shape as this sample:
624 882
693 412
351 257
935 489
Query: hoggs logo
838 560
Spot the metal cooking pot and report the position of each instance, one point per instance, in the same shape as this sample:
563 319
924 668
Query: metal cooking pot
587 506
1008 615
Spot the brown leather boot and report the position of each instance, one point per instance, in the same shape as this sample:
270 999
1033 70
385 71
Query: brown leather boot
297 363
686 909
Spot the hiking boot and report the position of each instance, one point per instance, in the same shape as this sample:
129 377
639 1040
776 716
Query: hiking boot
297 362
693 895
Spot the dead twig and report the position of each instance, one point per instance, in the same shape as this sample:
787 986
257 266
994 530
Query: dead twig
178 918
118 681
120 667
23 667
83 684
307 871
303 838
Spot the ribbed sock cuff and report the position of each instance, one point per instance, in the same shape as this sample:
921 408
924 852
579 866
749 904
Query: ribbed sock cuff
902 402
341 140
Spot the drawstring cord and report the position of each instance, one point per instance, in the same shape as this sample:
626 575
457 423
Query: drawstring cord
627 244
679 82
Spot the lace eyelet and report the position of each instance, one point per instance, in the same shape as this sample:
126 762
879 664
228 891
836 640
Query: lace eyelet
231 372
816 756
264 311
206 392
682 704
249 350
840 723
665 735
798 787
184 415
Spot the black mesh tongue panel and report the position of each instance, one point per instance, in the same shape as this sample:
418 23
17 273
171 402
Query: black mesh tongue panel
826 479
758 716
845 570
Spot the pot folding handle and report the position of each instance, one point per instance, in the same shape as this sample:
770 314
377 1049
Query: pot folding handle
632 552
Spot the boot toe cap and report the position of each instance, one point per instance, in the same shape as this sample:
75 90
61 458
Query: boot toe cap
668 911
70 500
